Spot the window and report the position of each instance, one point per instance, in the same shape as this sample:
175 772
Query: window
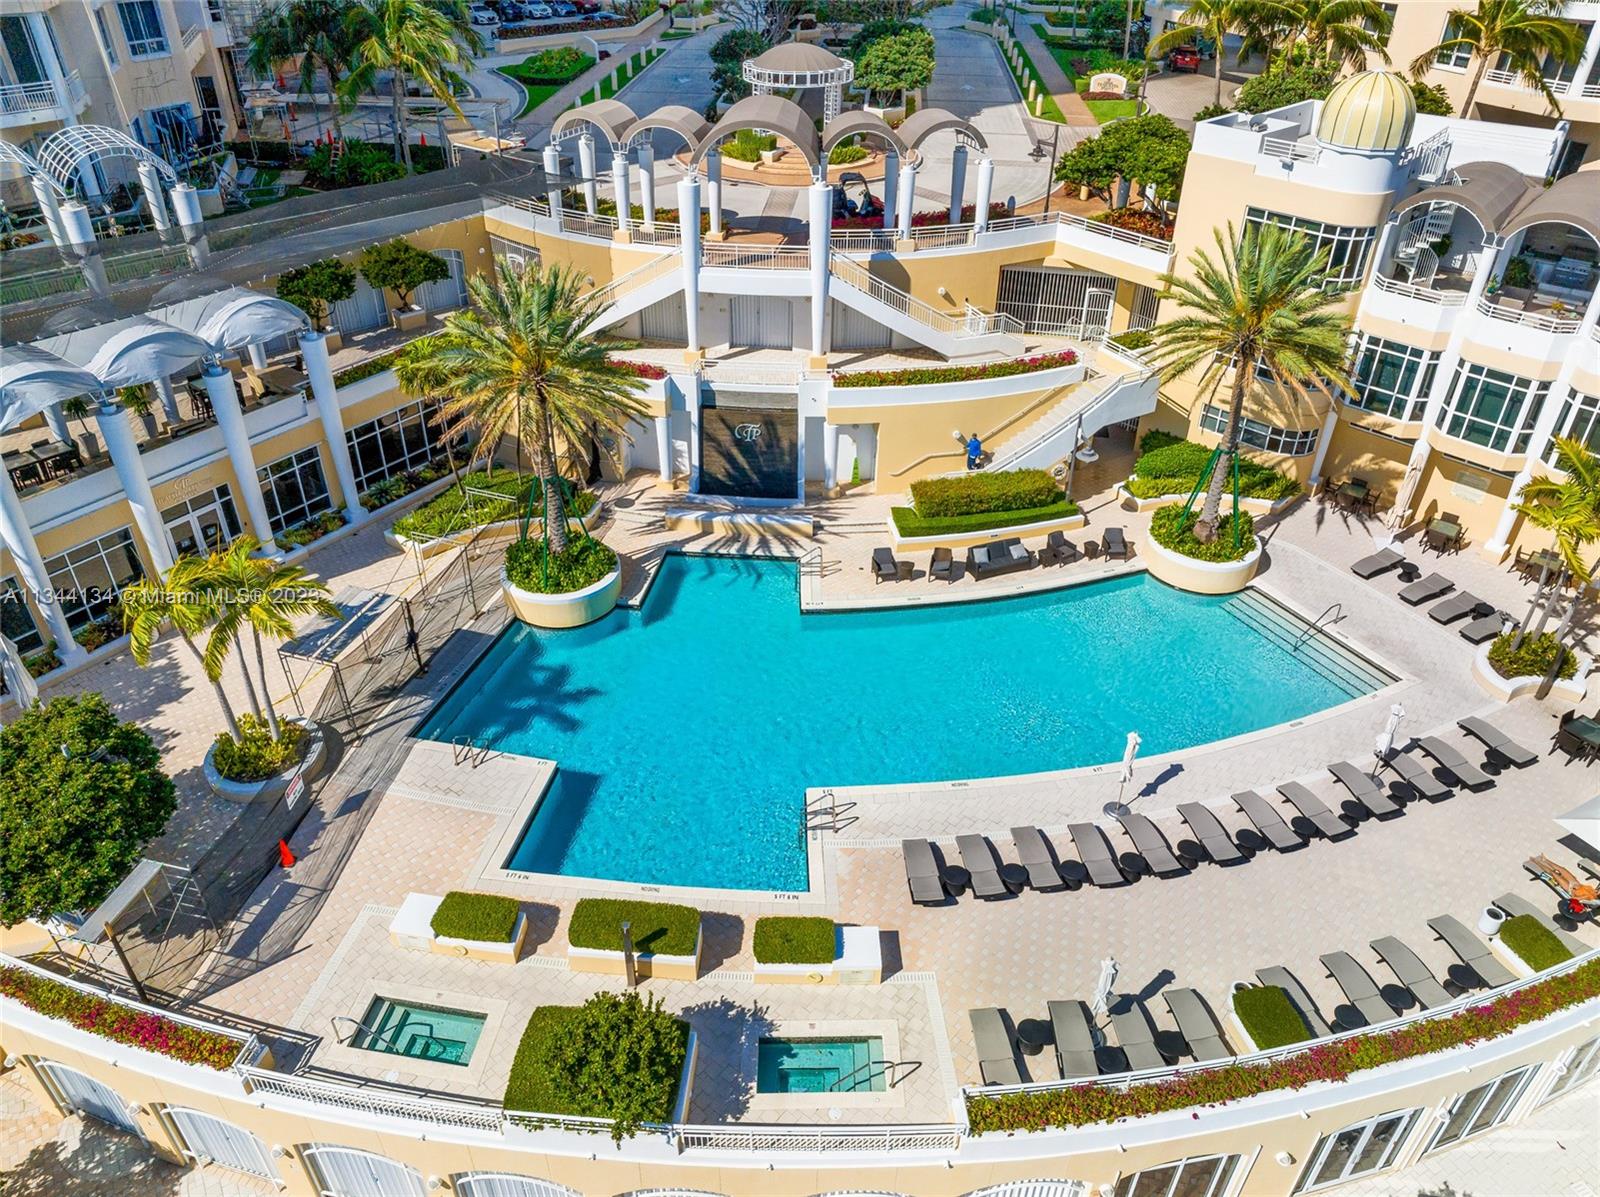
141 28
1203 1176
1455 58
1146 302
295 488
27 65
395 442
1492 408
1392 379
16 620
1291 442
1348 245
1390 11
88 577
106 44
1581 1068
449 292
1358 1150
1580 419
1479 1109
207 1137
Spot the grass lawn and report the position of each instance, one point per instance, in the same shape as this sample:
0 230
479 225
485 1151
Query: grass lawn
1059 50
1270 1016
1106 111
1051 110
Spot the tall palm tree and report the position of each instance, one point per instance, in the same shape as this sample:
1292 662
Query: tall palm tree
1340 31
409 39
1260 306
520 361
1569 509
320 34
181 599
1525 31
1208 19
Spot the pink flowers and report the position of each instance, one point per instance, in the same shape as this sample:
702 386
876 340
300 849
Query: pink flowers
924 375
642 369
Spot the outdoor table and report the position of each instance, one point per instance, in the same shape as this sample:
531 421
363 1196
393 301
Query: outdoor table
1032 1035
955 879
1446 531
1409 572
1074 872
281 380
1014 876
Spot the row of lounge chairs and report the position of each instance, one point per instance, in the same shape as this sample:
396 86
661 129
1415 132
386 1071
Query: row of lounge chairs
1486 623
1038 866
1001 557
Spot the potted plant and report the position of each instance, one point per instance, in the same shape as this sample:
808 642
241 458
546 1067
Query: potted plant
401 267
1517 282
316 285
139 404
77 408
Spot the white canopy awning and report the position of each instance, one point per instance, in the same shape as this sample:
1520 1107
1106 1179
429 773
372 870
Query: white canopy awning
128 352
233 318
1584 821
32 379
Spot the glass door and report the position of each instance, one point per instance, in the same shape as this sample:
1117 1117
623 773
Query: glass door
203 524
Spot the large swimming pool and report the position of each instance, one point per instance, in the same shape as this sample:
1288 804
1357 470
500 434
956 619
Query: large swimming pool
687 732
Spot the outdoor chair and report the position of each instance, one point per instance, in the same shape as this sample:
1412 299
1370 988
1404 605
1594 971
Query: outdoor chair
1428 588
1485 627
1137 1038
1457 606
1151 845
1267 821
1364 788
1578 736
1416 775
1096 854
978 857
1000 557
1451 760
1413 974
942 565
922 872
1115 545
1074 1035
1496 741
1213 837
1058 550
1033 854
997 1064
1197 1024
1281 978
1315 811
1359 988
1474 953
1515 904
885 565
1377 563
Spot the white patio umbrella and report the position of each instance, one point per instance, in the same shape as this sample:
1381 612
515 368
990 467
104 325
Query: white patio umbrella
1584 821
1124 775
1102 987
19 682
1385 741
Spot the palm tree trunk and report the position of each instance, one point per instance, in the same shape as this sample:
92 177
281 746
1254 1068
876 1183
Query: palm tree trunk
1472 88
266 691
249 686
222 695
402 147
1561 640
555 523
1550 602
1533 605
1205 528
1217 68
1127 29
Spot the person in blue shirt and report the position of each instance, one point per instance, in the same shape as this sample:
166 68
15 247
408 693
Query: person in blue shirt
974 451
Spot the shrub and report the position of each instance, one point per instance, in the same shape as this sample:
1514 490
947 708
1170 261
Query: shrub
1212 110
1533 658
781 939
313 530
1171 529
1136 220
1533 942
401 267
532 567
929 375
843 155
977 493
360 164
1270 1017
560 64
1135 338
747 145
642 369
100 632
1519 273
1282 86
616 1056
660 928
120 1024
1432 99
255 755
366 369
314 286
1172 466
908 523
487 917
455 509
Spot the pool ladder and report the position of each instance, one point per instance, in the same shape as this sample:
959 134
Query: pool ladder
375 1037
468 752
1311 629
829 814
870 1068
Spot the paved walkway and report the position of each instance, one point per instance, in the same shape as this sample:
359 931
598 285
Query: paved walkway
1062 89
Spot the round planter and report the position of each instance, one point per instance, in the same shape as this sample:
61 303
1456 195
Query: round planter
1572 689
1201 577
1491 920
569 610
439 544
270 788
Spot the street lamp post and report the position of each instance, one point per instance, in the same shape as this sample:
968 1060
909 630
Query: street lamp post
1037 154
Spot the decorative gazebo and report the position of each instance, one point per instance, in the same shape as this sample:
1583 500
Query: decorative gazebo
800 65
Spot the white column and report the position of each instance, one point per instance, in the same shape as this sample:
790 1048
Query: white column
169 399
186 207
118 436
150 182
50 206
830 456
647 186
958 181
258 354
713 192
620 188
314 349
591 193
891 175
692 402
907 198
689 209
1329 422
224 398
18 537
56 420
552 173
821 218
79 228
664 448
985 195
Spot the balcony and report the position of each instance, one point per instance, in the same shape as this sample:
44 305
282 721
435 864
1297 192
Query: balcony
1566 91
23 104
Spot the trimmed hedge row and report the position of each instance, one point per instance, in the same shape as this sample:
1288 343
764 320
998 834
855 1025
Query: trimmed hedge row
1270 1017
908 523
1082 1105
662 928
366 369
1533 942
453 510
926 375
491 918
118 1023
1168 465
979 493
788 939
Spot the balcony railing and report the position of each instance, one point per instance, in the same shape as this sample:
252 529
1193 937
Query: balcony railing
1446 299
19 98
1540 320
756 257
1099 228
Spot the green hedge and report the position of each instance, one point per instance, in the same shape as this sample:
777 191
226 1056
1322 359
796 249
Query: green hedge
454 510
491 918
787 939
1270 1017
1533 942
1533 658
747 145
908 523
366 369
561 64
255 755
1170 466
1171 529
532 567
980 493
662 928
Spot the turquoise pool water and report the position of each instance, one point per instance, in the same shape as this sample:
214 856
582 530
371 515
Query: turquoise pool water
419 1032
819 1066
688 731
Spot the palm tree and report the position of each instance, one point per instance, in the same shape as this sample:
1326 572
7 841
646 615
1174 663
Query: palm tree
1568 509
181 599
1526 32
1338 31
408 38
1208 19
1259 307
317 32
520 361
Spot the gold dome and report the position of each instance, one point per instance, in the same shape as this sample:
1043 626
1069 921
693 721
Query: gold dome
1372 112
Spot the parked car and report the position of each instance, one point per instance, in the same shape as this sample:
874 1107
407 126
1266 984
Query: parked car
586 6
562 8
605 17
1184 58
482 15
538 12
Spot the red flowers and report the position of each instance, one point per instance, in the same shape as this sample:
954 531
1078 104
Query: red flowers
923 375
642 369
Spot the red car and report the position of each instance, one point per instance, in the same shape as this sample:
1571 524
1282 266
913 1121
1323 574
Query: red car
1184 58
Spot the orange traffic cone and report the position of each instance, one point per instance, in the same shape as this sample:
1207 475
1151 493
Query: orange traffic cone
285 856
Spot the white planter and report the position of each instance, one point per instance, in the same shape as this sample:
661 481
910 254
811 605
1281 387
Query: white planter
857 960
269 789
412 927
1201 577
1510 959
1572 689
771 156
1491 920
646 964
569 610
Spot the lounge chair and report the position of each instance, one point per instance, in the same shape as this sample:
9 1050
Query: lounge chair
1496 741
1426 590
1364 788
1115 545
1380 562
1458 606
1074 1033
1413 974
978 857
922 872
1485 627
1285 980
1578 736
1358 987
1213 837
1151 844
1315 811
1197 1024
885 565
1137 1038
1416 775
1058 550
942 565
1267 821
1000 557
1033 853
1474 953
997 1064
1451 760
1096 854
1515 904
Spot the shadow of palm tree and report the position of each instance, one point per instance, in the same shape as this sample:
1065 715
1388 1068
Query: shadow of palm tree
726 1032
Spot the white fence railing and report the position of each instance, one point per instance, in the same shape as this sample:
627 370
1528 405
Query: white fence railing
660 234
17 98
367 1099
1289 150
755 257
1447 299
1098 228
969 325
637 277
877 1139
1540 320
859 241
1515 81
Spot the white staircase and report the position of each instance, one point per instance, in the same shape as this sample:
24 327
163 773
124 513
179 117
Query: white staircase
1118 388
633 292
1419 235
967 335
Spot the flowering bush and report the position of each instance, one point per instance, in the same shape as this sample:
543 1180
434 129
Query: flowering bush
1082 1105
118 1023
923 220
922 375
1136 220
642 369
